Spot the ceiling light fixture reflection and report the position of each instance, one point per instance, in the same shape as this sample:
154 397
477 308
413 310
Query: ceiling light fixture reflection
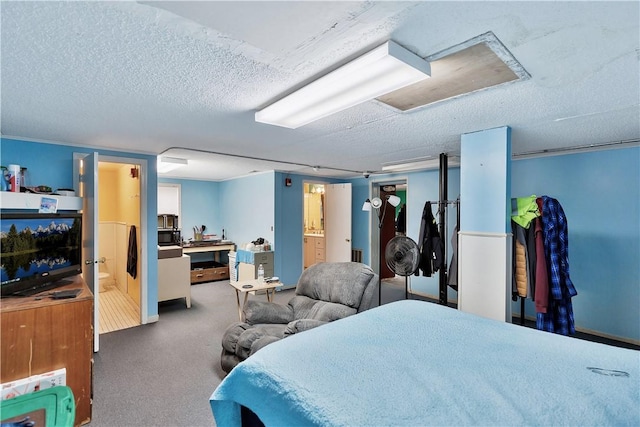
382 70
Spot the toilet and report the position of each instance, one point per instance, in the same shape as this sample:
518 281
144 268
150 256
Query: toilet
105 280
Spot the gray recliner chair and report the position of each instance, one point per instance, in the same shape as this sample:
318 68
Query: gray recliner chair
325 292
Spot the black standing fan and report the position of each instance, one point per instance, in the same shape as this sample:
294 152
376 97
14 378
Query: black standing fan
403 256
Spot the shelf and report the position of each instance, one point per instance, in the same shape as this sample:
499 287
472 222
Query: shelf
209 248
208 271
10 200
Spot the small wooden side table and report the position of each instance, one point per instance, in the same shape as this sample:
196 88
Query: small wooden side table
246 286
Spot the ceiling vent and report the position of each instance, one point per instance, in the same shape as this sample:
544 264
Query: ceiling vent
476 64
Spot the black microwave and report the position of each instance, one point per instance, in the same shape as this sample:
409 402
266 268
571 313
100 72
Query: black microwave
166 221
169 237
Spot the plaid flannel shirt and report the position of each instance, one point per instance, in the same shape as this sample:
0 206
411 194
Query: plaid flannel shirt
559 316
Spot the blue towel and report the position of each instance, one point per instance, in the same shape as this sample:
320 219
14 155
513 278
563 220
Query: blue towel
244 256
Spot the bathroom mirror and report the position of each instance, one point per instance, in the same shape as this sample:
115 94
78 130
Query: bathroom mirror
313 208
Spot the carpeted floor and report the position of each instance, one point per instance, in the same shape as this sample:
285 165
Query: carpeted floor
163 374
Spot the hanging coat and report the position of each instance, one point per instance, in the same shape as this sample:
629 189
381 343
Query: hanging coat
542 278
430 244
401 222
559 316
132 253
521 273
452 278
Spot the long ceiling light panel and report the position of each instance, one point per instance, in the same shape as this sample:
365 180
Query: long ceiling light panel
422 164
167 164
384 69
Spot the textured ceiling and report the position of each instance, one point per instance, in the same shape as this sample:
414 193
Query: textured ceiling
148 76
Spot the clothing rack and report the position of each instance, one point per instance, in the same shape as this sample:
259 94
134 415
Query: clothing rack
442 230
443 203
556 314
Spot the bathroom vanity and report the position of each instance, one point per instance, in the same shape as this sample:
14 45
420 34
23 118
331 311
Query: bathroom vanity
314 249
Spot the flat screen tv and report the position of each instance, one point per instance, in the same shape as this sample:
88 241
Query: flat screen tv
38 251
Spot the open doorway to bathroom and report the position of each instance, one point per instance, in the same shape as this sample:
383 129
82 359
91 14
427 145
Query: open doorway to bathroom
313 222
119 217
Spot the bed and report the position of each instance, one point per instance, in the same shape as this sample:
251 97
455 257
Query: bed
417 363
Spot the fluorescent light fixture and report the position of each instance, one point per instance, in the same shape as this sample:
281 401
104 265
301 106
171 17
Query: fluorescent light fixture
384 69
425 164
167 164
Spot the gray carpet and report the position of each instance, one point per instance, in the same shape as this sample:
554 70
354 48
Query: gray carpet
163 374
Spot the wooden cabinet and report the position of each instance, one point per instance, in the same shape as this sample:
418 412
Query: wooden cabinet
319 249
314 250
39 336
208 272
309 251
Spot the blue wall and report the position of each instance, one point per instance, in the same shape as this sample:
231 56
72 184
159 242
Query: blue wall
52 165
600 195
200 205
247 208
289 212
485 181
360 220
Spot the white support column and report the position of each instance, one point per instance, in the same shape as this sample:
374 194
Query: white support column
484 252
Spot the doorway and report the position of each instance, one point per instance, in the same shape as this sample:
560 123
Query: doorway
118 218
313 247
86 179
388 224
326 227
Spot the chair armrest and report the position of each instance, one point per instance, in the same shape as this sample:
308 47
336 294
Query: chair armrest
262 342
301 325
266 312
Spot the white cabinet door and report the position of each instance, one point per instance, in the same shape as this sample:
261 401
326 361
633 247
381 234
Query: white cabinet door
169 199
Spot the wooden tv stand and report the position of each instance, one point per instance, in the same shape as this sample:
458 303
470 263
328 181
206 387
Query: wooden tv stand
40 334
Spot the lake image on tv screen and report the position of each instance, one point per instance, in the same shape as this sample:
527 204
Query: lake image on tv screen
33 246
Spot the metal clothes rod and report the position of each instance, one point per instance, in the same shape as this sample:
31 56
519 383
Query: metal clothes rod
446 202
442 228
442 198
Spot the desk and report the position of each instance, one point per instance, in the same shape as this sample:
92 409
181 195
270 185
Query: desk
215 248
268 287
209 270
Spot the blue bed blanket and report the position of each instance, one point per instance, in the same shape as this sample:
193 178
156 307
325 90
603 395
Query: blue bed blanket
418 363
